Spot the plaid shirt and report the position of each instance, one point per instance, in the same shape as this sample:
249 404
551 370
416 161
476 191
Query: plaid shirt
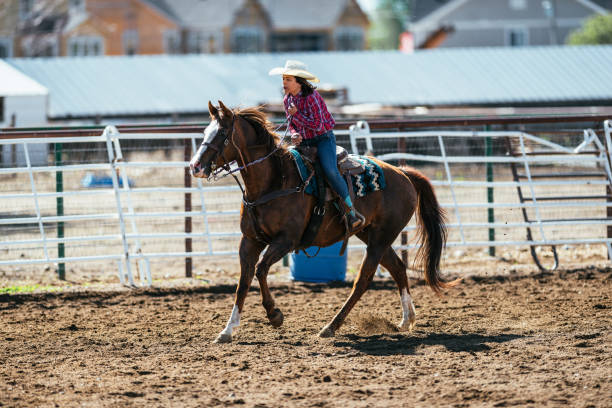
312 117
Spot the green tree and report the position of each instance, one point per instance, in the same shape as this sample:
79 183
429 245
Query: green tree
596 30
389 20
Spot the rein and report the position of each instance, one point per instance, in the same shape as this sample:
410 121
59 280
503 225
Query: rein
214 176
251 205
266 197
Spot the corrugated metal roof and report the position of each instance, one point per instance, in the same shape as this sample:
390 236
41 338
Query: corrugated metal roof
140 85
14 83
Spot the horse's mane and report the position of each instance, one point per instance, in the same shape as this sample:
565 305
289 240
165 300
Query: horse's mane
263 127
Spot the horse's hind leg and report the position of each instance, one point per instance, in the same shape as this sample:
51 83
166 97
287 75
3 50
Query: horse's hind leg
366 273
249 253
273 254
397 269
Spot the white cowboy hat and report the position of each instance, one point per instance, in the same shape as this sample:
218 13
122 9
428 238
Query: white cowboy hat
294 68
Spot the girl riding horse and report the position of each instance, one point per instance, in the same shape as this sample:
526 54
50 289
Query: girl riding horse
311 124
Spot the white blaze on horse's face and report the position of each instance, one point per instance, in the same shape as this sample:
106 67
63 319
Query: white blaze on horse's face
195 165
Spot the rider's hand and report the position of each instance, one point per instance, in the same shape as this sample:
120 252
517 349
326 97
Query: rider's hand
292 110
296 139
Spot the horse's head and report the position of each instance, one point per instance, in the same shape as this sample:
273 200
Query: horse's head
217 149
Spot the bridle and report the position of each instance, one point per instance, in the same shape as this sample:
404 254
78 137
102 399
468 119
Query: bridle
249 205
214 176
220 149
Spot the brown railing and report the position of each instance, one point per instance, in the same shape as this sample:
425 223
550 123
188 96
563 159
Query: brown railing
71 131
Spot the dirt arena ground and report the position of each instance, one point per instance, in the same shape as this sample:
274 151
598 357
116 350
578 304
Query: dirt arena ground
504 338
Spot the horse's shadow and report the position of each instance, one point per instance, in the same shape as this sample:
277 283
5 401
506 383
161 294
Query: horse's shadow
398 344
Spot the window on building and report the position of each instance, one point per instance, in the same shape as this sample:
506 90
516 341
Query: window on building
172 42
25 8
2 109
6 47
83 46
40 46
204 42
130 42
299 42
212 44
49 50
247 39
518 4
194 43
349 38
517 37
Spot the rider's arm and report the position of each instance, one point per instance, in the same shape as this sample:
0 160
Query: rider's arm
311 116
292 130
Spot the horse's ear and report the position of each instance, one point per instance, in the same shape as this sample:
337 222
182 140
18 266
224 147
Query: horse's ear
226 111
214 112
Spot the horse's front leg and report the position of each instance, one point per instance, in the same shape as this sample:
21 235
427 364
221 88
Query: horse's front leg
273 254
249 254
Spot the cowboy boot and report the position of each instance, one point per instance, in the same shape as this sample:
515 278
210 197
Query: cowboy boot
354 221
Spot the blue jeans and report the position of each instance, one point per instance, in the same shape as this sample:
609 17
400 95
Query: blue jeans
326 152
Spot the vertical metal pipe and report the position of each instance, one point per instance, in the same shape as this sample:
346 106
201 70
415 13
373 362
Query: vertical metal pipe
41 226
188 243
490 196
203 204
108 133
608 143
144 269
449 177
59 203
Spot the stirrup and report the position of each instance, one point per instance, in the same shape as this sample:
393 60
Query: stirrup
354 222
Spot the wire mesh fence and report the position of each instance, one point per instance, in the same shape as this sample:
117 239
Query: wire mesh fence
122 197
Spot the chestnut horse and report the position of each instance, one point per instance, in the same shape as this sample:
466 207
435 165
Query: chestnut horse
268 170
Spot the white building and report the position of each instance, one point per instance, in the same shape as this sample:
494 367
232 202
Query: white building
23 103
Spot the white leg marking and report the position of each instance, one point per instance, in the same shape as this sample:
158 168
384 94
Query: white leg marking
233 322
408 312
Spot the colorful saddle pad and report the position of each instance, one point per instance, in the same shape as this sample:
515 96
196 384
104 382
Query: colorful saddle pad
372 179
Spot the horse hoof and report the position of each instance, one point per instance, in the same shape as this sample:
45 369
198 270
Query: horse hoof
406 326
223 338
276 319
326 332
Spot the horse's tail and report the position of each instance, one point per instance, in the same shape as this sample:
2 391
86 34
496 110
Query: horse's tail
431 231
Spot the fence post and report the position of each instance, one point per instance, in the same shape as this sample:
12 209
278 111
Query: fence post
59 203
188 242
608 143
490 198
401 148
109 132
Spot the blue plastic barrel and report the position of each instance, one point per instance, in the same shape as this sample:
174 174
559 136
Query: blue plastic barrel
327 266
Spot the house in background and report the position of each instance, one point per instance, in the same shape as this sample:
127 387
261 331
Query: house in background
47 28
239 26
43 28
486 23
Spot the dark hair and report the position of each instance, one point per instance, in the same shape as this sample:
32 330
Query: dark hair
307 87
